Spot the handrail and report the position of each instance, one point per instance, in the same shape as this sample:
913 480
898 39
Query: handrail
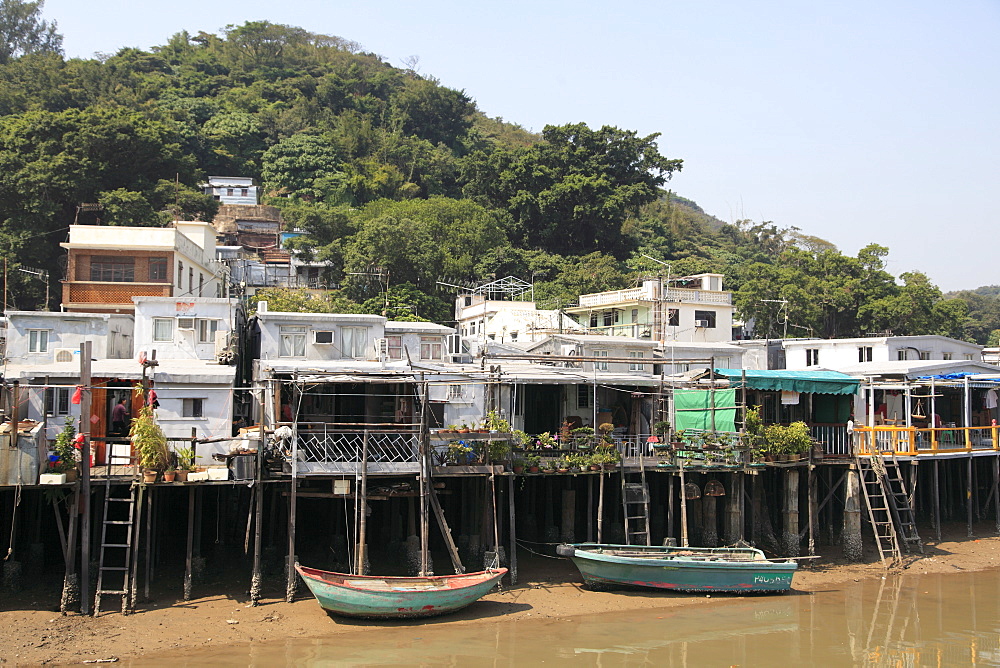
917 441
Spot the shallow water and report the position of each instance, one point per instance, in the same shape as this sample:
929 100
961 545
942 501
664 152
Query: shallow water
912 620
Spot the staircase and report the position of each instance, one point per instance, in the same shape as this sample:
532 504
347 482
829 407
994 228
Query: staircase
116 546
635 503
889 508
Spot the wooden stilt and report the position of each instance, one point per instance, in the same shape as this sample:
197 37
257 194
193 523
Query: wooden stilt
600 507
134 575
684 510
852 516
71 582
291 577
512 557
85 426
189 557
590 509
360 568
734 514
149 544
937 500
710 521
812 493
996 488
671 506
968 495
449 542
790 514
567 527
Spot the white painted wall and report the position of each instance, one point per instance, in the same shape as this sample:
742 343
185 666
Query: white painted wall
186 343
111 334
838 353
270 324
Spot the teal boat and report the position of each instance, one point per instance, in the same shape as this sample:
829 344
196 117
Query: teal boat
377 597
694 569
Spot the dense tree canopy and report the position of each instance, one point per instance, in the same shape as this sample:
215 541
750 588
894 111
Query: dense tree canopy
400 183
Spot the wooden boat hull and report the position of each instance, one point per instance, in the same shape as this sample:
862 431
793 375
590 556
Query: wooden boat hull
397 597
681 569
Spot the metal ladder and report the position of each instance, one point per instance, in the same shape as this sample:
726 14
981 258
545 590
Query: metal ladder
116 546
635 504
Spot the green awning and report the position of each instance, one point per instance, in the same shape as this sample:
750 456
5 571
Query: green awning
784 380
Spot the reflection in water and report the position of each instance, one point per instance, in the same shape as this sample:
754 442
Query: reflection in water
929 620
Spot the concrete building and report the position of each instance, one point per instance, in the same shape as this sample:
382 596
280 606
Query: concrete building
838 354
107 266
689 308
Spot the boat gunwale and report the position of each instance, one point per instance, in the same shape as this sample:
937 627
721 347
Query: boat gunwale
477 578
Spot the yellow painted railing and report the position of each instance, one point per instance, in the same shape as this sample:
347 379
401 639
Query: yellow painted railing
912 441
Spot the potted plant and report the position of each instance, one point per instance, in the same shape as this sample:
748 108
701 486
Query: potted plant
518 465
545 440
185 463
169 474
459 453
493 422
605 430
594 462
583 436
662 430
62 459
149 441
463 428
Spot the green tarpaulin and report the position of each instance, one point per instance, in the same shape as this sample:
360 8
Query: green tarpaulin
693 409
810 382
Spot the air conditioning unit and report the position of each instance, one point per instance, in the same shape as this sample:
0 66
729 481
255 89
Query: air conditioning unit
65 354
701 323
323 337
185 323
223 343
382 349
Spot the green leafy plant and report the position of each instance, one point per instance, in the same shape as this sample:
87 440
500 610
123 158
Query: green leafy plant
494 422
63 447
661 428
185 459
148 439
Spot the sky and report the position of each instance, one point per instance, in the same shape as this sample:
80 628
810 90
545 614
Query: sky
856 121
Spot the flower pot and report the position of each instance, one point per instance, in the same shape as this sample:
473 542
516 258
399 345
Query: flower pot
532 469
610 467
149 476
518 469
181 476
595 467
168 476
52 479
563 470
71 475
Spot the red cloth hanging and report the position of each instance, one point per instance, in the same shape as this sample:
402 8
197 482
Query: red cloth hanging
78 394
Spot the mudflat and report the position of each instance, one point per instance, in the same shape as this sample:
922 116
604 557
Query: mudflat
32 633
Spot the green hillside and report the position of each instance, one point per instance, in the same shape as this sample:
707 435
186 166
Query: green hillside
383 167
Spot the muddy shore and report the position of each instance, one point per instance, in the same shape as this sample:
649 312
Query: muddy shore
32 633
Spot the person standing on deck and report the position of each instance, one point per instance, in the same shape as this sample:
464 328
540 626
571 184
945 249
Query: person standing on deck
119 419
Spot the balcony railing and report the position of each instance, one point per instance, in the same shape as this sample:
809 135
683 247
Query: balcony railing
327 450
670 295
914 442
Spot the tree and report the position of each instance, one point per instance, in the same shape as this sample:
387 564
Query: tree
297 164
571 193
22 30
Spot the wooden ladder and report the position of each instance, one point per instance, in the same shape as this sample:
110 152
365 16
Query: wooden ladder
899 503
879 515
635 504
117 531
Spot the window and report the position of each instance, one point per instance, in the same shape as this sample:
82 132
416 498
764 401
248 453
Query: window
394 346
190 279
163 329
901 354
292 341
673 317
206 329
193 408
925 354
601 366
946 356
38 340
244 192
706 318
353 341
635 315
229 192
112 269
57 401
812 356
593 319
454 391
968 356
583 396
157 269
180 275
201 283
632 366
472 328
864 353
608 318
323 336
430 347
